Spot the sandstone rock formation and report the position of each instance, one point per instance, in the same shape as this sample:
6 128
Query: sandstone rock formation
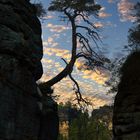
20 68
126 118
49 120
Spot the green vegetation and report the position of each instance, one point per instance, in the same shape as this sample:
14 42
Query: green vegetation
81 126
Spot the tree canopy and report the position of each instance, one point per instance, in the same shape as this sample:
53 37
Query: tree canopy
78 6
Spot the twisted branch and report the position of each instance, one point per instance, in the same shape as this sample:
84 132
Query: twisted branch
76 86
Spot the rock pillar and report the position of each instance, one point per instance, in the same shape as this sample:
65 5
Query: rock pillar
20 68
126 116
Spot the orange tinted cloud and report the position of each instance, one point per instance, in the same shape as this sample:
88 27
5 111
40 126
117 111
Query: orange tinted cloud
104 15
58 52
67 94
50 42
90 90
57 28
98 24
111 1
125 7
49 15
99 76
45 60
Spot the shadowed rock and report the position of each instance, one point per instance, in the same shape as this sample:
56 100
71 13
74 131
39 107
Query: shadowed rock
126 118
20 68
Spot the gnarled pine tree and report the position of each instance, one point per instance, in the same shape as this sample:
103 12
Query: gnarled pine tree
72 10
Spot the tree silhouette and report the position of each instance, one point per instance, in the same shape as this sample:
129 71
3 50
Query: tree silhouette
132 46
41 12
72 10
134 32
82 126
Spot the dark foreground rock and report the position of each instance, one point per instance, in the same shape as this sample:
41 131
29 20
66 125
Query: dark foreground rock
25 113
126 118
20 68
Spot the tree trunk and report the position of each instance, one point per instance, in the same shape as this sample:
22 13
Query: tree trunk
69 67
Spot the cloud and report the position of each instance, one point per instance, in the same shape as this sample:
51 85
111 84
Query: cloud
111 1
45 60
65 91
96 76
51 69
100 76
50 42
58 52
45 43
102 8
51 65
96 93
98 25
104 15
48 17
95 101
105 24
125 9
47 51
57 28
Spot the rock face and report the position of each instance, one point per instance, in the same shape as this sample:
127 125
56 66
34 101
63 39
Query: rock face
126 118
49 124
20 68
49 120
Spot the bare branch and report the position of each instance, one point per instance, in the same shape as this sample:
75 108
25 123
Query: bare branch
90 31
91 34
87 47
85 18
79 97
67 13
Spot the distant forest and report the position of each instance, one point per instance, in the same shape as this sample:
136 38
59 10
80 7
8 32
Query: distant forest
76 124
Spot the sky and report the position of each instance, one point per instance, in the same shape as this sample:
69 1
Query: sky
113 22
